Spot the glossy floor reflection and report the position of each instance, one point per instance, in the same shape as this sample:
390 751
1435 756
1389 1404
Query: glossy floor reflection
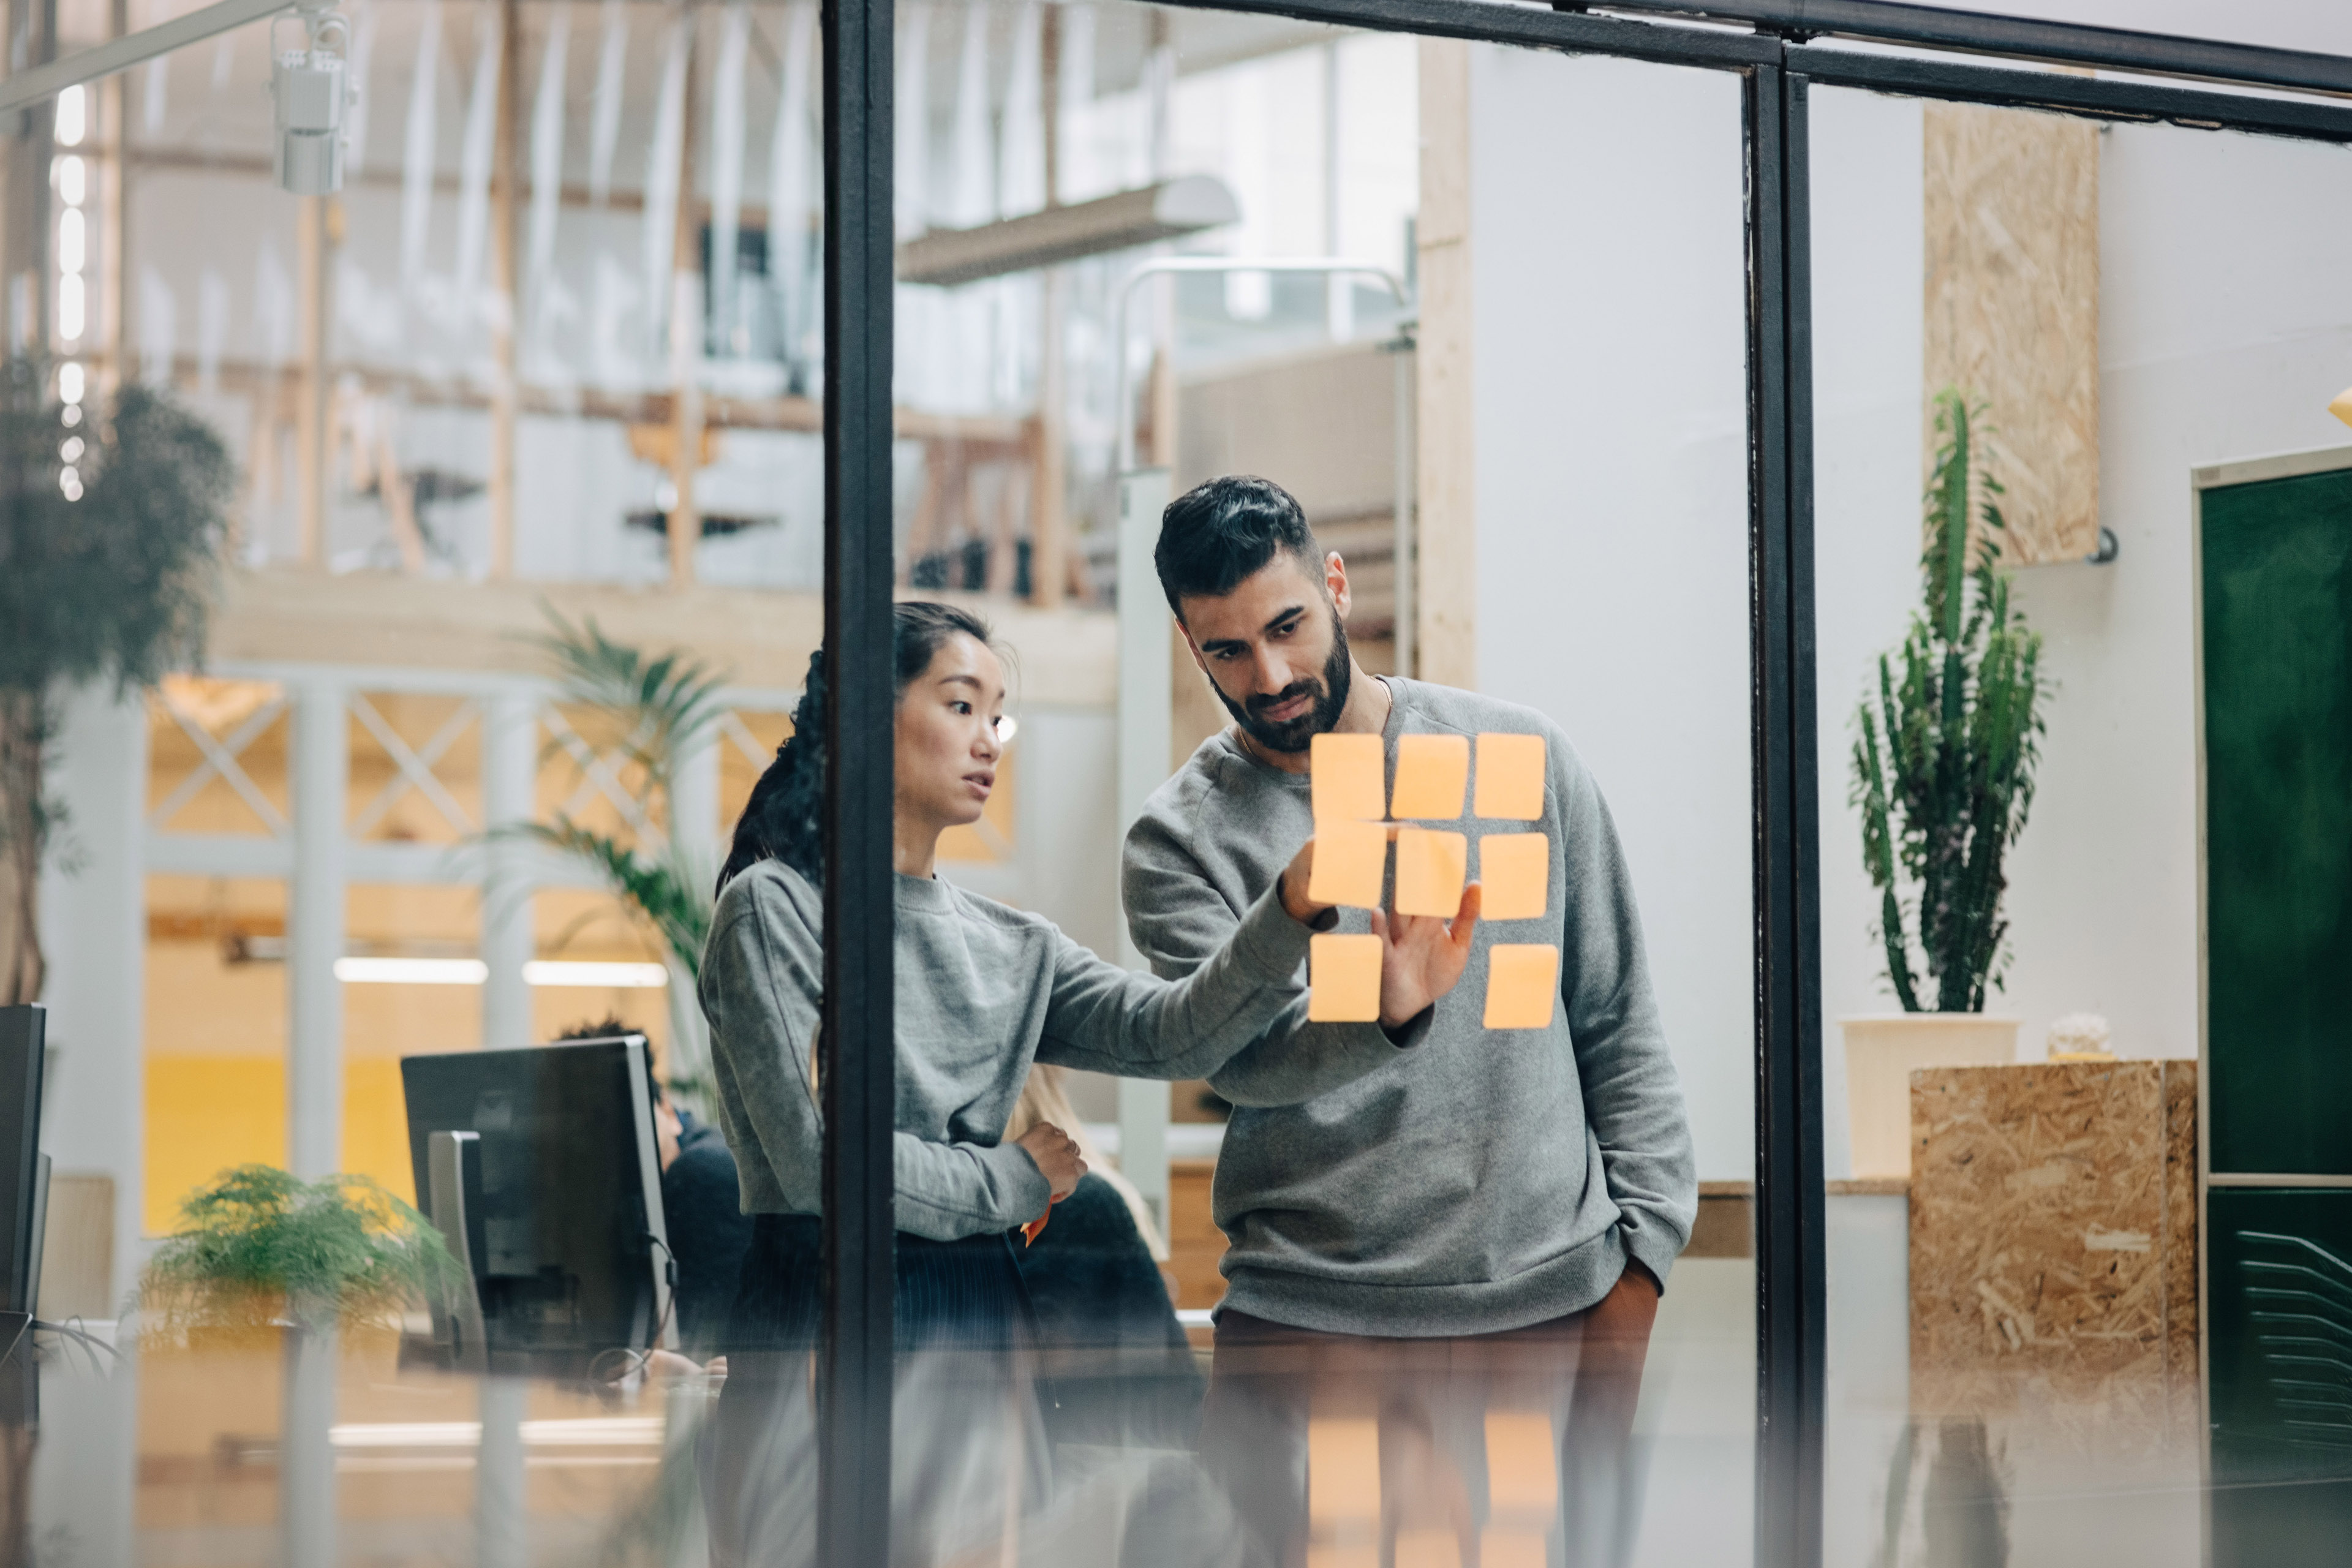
179 1456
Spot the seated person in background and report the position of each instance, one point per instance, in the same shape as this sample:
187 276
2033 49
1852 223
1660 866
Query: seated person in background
1126 1374
702 1207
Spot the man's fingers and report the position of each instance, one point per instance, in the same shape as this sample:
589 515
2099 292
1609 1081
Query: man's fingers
1466 918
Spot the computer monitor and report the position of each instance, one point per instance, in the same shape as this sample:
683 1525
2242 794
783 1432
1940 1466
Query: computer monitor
23 1171
555 1202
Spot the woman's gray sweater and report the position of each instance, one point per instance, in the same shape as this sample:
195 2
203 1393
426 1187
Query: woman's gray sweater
981 990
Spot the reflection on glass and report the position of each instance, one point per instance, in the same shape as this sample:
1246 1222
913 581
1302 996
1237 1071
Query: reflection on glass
558 337
2089 1258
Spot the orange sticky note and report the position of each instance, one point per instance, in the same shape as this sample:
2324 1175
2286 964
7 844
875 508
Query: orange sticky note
1511 776
1513 876
1430 869
1343 979
1349 859
1522 984
1347 773
1432 770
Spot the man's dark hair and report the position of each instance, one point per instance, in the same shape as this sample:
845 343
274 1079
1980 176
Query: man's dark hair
1216 534
610 1028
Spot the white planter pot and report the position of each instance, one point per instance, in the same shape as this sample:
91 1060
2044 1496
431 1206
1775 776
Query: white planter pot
1883 1050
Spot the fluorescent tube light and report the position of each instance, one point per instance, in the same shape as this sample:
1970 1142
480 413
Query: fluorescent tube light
411 971
626 976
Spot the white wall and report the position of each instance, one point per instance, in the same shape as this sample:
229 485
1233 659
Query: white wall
1611 504
1869 261
2225 325
93 919
1608 289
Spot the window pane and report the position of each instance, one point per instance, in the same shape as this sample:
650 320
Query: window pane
2052 1312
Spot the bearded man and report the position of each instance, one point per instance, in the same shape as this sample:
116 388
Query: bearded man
1426 1218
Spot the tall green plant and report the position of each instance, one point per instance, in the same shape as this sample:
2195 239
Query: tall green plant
110 529
1944 762
658 706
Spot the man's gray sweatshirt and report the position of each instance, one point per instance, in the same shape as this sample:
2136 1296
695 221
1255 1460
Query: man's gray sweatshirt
980 991
1462 1181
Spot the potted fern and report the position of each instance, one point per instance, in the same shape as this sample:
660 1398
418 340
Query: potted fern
260 1252
1944 759
311 1272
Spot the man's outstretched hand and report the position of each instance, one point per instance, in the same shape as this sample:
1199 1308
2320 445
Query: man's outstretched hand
1420 957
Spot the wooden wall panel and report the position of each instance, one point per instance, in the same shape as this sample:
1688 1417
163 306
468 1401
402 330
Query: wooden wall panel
1445 605
2053 1245
2013 310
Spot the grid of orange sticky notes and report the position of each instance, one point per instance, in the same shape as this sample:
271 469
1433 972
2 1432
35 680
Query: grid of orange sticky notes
1349 859
1510 777
1513 876
1343 979
1347 777
1522 984
1433 773
1430 870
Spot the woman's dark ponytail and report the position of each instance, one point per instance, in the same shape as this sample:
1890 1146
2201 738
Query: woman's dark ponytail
784 819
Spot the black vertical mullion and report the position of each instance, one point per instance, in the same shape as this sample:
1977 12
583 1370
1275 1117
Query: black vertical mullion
856 1066
1791 1298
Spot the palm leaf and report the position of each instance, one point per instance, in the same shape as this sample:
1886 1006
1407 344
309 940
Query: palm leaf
659 706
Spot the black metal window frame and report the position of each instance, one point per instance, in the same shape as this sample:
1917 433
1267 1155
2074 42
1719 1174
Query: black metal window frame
1775 46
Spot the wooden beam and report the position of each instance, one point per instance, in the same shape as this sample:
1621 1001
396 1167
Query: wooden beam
995 435
1120 221
1049 528
107 145
760 637
685 518
506 179
1445 591
318 223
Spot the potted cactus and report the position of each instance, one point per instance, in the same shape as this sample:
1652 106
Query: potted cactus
1944 760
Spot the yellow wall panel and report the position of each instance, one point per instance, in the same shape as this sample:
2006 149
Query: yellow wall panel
206 1114
375 1124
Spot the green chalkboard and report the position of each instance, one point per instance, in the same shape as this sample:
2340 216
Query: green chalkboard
2276 559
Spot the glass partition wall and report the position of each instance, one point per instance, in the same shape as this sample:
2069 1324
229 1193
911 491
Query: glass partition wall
1593 374
2086 1264
1169 282
450 773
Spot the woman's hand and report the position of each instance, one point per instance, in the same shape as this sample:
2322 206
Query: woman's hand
1056 1153
1420 957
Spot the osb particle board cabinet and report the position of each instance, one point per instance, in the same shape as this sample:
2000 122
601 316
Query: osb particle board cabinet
2053 1253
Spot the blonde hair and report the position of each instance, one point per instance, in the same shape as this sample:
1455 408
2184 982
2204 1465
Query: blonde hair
1043 1098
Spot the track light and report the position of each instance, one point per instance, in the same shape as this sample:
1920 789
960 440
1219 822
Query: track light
312 89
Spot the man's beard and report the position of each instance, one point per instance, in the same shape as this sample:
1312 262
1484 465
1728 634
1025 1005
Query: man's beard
1330 694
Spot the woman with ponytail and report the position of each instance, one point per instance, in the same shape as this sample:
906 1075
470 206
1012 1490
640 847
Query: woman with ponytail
981 992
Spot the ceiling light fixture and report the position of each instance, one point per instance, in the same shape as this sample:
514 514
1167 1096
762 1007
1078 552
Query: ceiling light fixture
595 976
312 89
412 971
